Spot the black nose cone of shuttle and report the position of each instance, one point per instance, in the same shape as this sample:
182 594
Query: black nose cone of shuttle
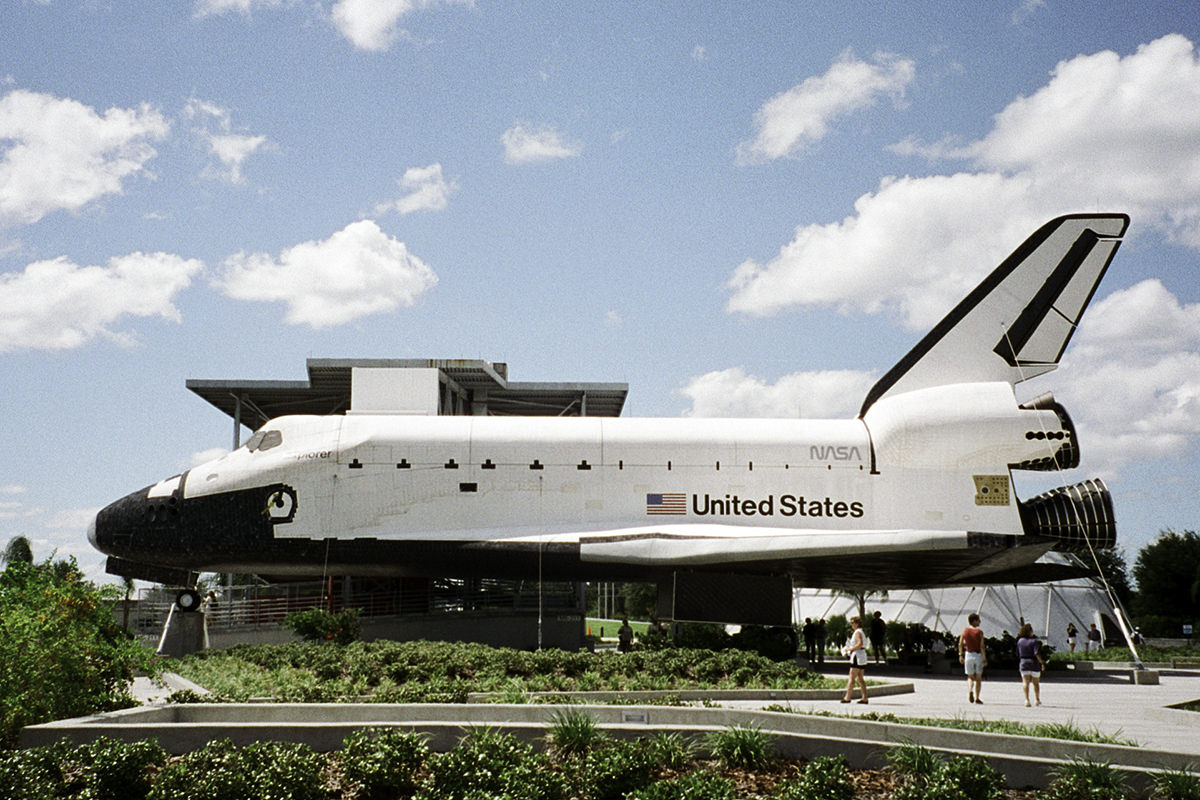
139 521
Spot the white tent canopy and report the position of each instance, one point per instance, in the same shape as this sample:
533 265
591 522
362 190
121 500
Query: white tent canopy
1047 606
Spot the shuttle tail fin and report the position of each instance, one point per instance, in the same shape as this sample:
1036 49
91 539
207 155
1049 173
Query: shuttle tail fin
1017 323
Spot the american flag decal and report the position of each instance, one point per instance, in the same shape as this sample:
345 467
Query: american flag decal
667 503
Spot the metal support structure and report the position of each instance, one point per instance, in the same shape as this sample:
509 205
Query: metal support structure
237 421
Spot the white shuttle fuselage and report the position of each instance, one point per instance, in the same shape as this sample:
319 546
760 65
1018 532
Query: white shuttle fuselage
914 491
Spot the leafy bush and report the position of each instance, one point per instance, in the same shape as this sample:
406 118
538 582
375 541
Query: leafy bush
837 630
614 769
1181 784
914 761
693 786
1085 780
35 774
382 763
116 770
574 732
62 653
742 746
824 778
220 771
967 778
284 770
447 671
318 625
924 773
488 764
671 749
214 772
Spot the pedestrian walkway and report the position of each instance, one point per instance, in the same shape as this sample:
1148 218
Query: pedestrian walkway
1105 700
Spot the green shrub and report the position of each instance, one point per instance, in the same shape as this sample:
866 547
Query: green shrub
1181 784
693 786
742 746
117 770
34 774
488 764
914 761
924 773
837 630
214 772
967 778
284 770
614 769
671 749
824 778
378 763
1085 780
62 652
318 625
574 732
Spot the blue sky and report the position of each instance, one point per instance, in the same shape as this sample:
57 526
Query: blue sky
741 209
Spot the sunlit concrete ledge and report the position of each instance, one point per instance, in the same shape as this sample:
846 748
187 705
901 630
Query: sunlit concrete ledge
700 695
1025 761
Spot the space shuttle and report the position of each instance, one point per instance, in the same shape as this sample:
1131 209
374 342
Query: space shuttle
726 516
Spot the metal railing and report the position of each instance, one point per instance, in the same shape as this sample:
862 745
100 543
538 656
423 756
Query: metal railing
254 606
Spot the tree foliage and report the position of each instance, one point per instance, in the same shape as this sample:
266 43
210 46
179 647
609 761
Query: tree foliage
17 549
1168 577
1115 571
62 652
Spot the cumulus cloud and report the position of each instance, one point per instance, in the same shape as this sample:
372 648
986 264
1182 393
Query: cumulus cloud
374 24
426 190
1148 343
214 128
58 305
813 395
59 154
357 271
524 144
800 116
1118 131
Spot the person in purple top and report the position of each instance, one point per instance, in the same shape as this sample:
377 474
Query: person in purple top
1030 665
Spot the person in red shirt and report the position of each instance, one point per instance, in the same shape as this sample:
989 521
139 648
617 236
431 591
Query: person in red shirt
972 653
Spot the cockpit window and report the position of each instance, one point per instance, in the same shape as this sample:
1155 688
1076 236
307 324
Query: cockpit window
264 440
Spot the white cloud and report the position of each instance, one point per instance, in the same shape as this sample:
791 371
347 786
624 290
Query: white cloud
1118 132
71 519
357 271
215 129
524 144
12 489
59 154
793 119
374 24
58 305
427 190
206 7
811 395
699 53
1026 9
204 456
1148 343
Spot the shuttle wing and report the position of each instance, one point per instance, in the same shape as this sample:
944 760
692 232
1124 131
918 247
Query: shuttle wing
1016 324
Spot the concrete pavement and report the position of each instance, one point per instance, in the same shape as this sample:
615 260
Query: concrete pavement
1105 699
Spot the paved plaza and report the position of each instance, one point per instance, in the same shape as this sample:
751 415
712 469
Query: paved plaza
1105 699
